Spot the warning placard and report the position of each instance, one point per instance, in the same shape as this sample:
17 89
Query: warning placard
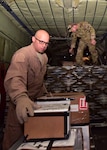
83 105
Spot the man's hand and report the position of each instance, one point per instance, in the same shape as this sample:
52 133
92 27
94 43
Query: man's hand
71 51
24 106
93 42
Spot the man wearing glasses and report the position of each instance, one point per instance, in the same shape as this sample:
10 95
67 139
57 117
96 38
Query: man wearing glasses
24 82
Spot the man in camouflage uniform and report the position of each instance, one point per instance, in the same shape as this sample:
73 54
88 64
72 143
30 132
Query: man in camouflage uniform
86 33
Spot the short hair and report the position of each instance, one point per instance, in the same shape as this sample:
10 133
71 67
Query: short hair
70 26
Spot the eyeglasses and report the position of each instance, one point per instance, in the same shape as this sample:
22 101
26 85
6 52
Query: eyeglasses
42 42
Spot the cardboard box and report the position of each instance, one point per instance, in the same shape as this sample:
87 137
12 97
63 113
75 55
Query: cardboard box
86 135
39 145
51 121
79 109
78 105
73 142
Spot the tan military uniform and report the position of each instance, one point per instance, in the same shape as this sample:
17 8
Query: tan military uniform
86 33
25 75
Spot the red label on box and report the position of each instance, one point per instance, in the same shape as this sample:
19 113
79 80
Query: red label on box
83 105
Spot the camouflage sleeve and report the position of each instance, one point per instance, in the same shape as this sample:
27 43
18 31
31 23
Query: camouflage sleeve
91 30
73 40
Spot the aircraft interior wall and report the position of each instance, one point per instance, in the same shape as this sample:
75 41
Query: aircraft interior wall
11 38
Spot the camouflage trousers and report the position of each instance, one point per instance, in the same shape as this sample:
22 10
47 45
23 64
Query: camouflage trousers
80 52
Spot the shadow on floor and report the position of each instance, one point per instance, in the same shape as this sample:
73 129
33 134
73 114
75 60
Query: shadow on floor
99 135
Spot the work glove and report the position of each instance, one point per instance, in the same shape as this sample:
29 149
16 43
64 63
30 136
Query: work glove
25 107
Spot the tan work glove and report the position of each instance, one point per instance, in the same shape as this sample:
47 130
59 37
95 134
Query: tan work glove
25 106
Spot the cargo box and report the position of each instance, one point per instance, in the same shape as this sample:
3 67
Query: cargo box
51 121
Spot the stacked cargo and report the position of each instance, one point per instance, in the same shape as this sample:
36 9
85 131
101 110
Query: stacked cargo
56 125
